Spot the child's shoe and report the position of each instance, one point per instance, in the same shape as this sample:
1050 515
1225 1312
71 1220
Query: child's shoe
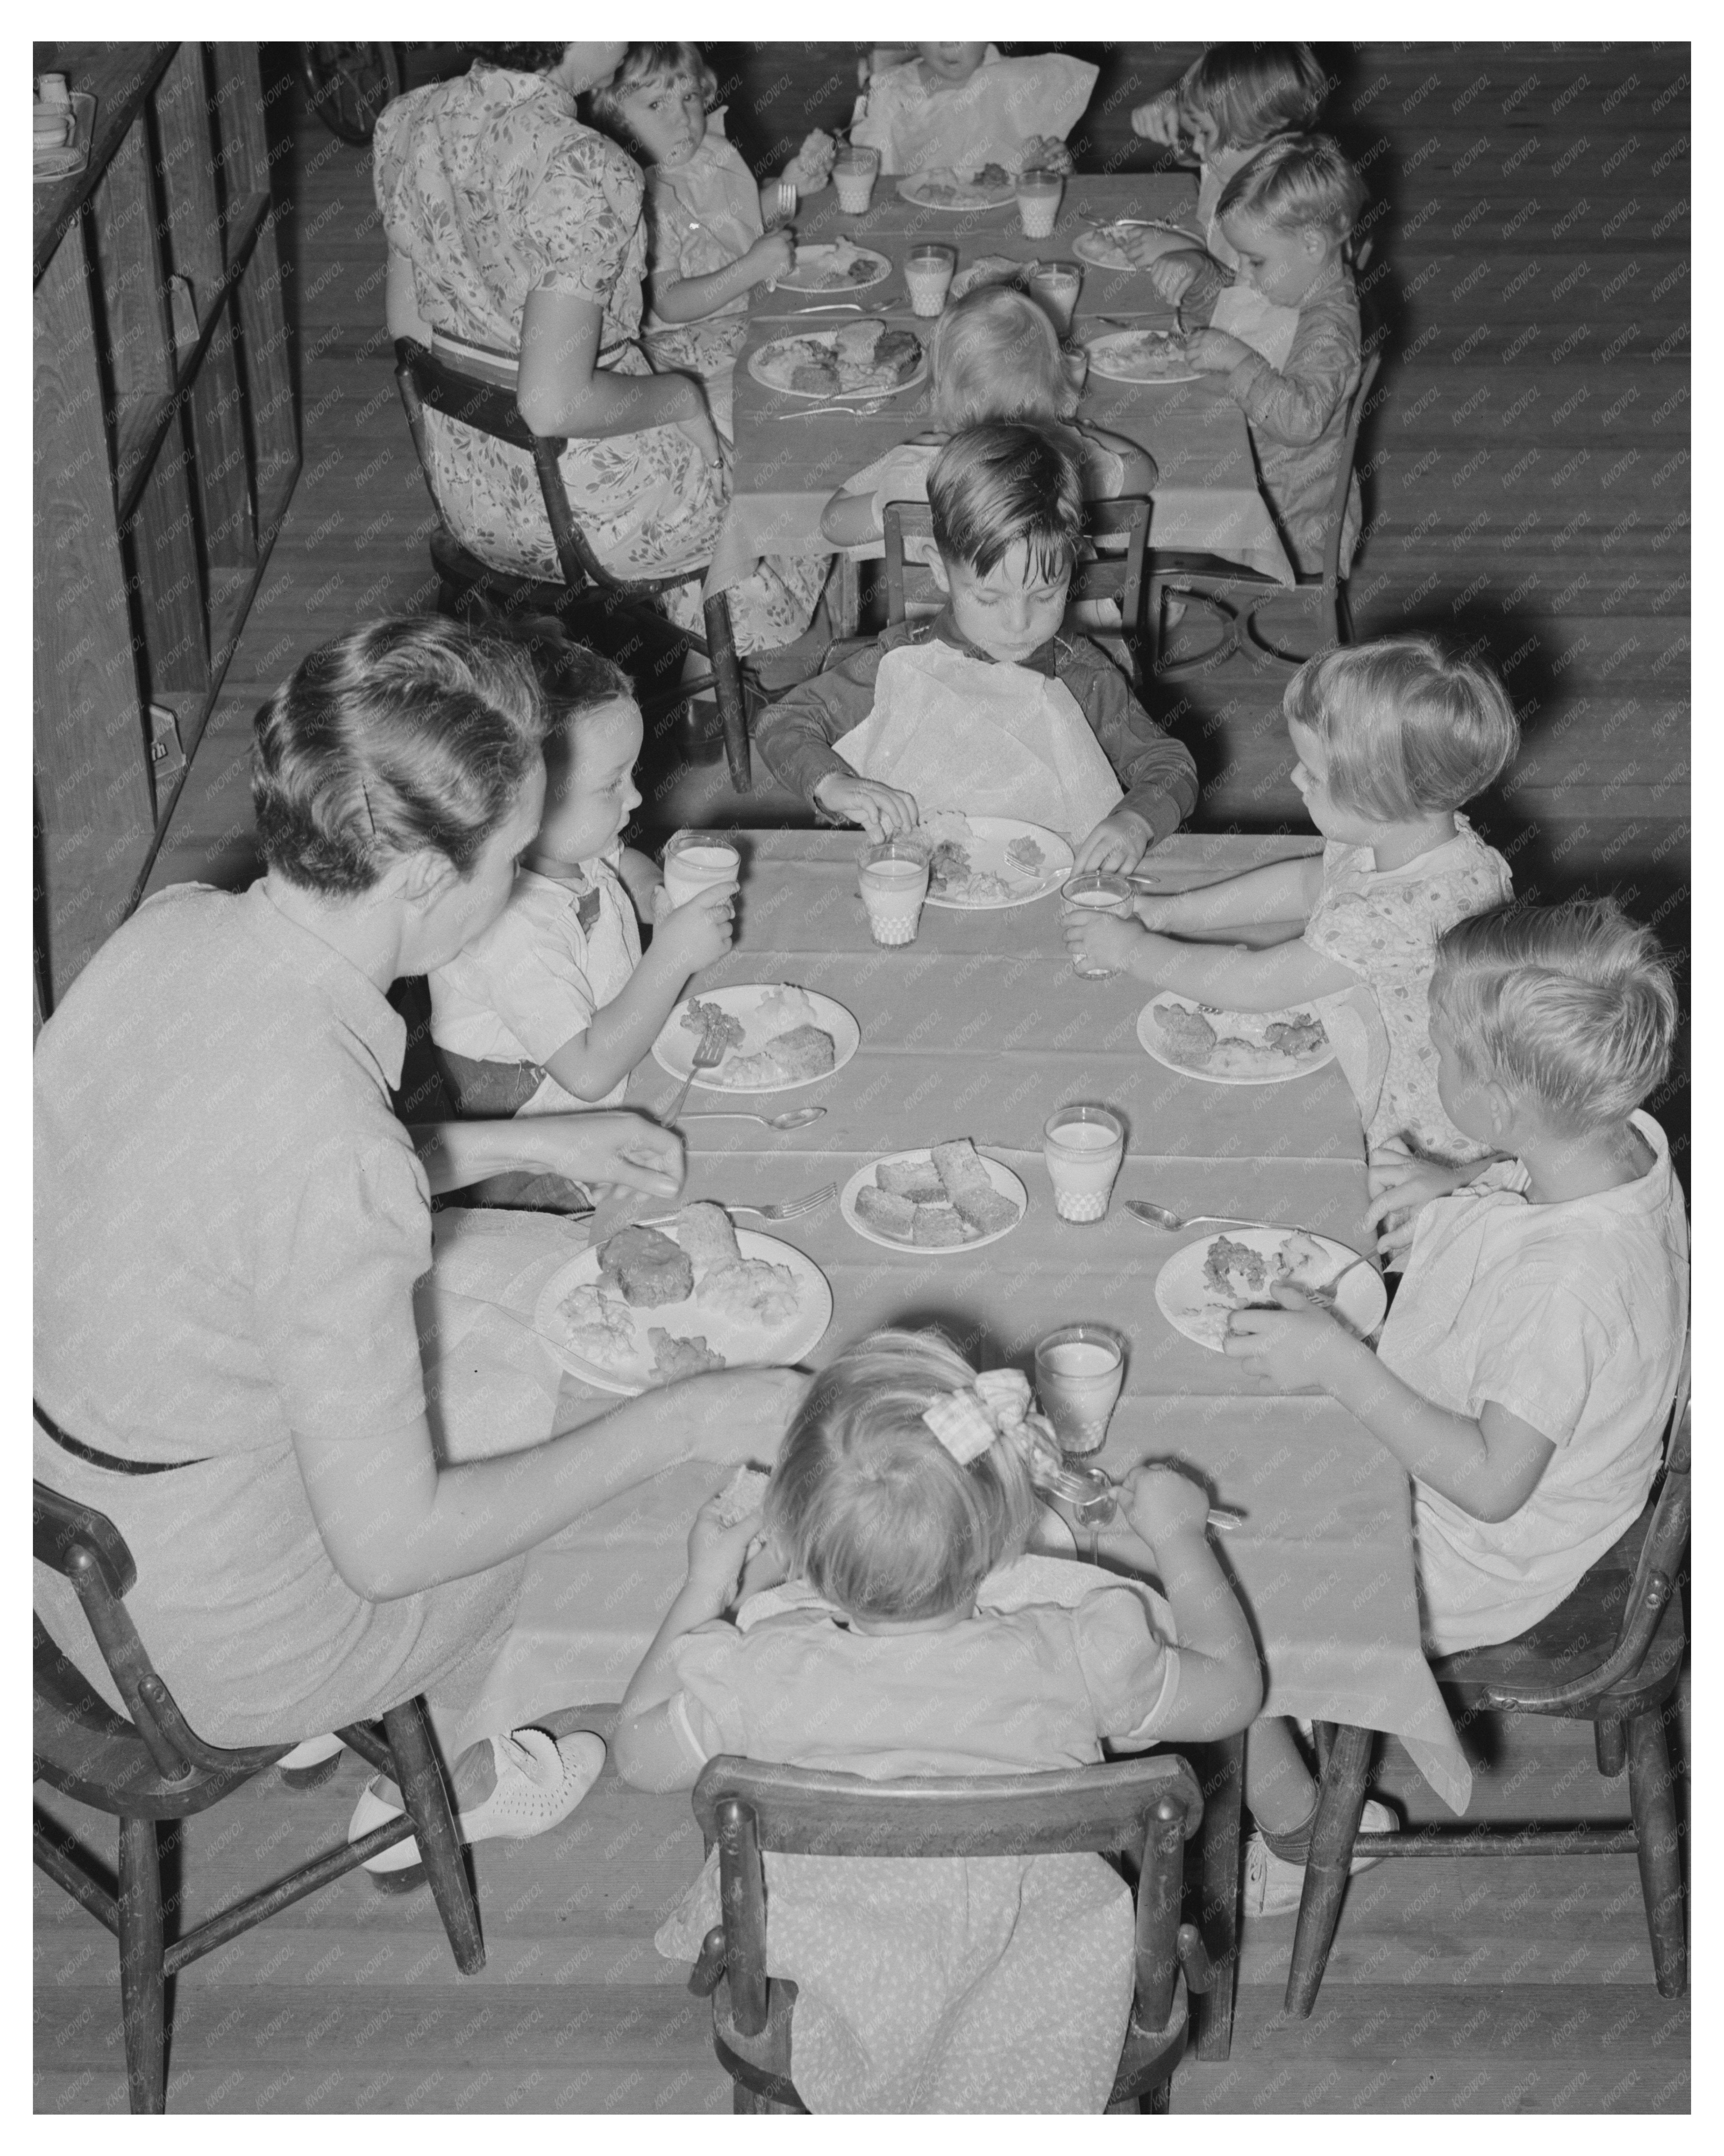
1274 1884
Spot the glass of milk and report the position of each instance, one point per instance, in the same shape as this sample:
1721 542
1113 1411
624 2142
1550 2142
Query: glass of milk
1083 1146
1079 1371
894 881
694 861
1095 892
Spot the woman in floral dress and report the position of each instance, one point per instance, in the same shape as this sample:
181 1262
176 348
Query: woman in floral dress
517 249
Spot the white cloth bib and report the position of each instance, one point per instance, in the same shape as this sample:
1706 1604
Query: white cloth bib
986 120
985 739
1266 326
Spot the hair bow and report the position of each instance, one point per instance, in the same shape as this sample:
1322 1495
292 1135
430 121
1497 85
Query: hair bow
968 1420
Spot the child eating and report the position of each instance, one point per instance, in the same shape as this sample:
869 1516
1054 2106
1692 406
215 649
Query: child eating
916 1638
963 109
1525 1371
1391 738
554 1005
988 707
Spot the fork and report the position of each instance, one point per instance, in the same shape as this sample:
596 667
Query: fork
785 1208
709 1054
833 411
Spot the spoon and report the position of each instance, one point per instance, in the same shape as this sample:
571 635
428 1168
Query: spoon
793 1119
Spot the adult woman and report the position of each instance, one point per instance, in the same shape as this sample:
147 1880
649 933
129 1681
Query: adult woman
516 240
230 1220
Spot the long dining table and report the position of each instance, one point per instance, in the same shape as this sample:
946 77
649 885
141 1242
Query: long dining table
980 1027
791 456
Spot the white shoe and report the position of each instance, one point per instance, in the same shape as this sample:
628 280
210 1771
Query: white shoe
540 1781
1275 1884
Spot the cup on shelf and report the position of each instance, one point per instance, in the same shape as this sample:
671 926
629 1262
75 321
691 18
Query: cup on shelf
1079 1371
51 91
695 860
1038 193
854 172
1095 892
928 272
894 881
1083 1146
1056 285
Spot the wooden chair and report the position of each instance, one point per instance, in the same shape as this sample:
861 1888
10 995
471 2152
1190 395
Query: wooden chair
1611 1655
154 1766
1142 1809
466 584
1238 594
1118 575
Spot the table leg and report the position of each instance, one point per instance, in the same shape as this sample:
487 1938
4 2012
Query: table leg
845 602
1223 1783
1339 1803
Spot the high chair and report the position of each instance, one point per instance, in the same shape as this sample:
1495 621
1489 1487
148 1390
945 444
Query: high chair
1142 1809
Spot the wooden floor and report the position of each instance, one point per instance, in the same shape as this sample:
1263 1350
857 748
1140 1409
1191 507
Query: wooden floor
1528 491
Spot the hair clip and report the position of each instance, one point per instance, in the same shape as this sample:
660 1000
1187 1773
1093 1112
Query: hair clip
967 1420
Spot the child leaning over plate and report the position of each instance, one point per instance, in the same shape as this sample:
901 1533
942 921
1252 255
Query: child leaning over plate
989 707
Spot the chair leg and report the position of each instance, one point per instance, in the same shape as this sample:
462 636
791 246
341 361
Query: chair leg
419 1777
142 1985
1652 1800
1610 1741
1342 1798
1218 1858
727 685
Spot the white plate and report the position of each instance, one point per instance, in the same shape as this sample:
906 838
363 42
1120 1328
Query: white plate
993 269
1263 1066
771 366
674 1050
811 259
987 842
998 1174
1098 245
938 188
742 1344
1132 355
1194 1306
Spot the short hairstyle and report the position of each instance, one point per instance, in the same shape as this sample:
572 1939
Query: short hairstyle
1572 1005
1298 183
401 737
867 1506
523 59
1252 92
994 487
648 63
575 681
1407 732
996 355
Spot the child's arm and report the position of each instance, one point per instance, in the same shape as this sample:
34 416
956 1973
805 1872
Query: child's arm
1296 404
1220 1685
795 737
1157 772
650 1751
1488 1467
1138 470
642 878
847 519
1278 890
691 298
1401 1187
1230 977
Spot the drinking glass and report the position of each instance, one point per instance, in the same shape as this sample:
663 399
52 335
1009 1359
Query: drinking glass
1079 1371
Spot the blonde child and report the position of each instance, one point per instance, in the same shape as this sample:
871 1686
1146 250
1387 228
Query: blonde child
989 707
1527 1369
706 214
554 1005
1390 739
962 108
995 355
916 1638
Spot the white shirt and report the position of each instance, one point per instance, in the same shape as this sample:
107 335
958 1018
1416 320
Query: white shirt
1571 1317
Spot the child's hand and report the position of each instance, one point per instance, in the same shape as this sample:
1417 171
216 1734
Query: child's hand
1173 275
1158 121
1045 153
1214 352
811 168
1116 845
717 1552
882 811
1160 916
772 256
1401 1187
1291 1348
1160 1502
1101 939
696 934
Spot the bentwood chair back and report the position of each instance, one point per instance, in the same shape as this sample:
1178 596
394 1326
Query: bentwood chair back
150 1764
1143 1810
589 593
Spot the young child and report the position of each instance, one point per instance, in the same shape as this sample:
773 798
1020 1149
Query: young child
962 108
995 355
916 1638
987 707
554 1005
1527 1369
1287 215
1391 737
706 214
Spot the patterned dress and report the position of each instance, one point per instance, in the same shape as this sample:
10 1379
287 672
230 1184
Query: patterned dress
492 189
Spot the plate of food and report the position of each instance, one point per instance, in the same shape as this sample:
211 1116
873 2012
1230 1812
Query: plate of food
651 1305
991 187
841 266
978 862
993 269
1104 245
1141 356
1200 1286
856 359
945 1197
1234 1048
776 1037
